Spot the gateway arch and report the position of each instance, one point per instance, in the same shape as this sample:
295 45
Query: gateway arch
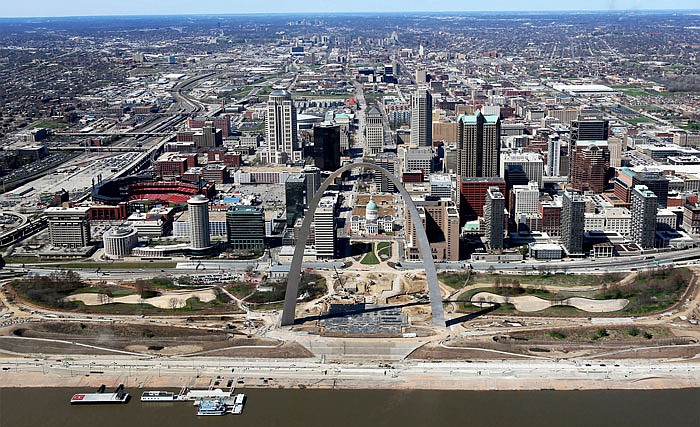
294 278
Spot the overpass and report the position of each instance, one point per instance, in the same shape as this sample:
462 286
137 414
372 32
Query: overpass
101 149
117 134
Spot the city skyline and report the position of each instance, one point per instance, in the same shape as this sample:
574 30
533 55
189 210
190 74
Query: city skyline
47 9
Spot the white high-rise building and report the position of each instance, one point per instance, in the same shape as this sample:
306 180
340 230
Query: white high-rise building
198 210
494 219
69 227
421 118
324 228
615 147
527 198
553 157
532 164
374 132
645 205
282 142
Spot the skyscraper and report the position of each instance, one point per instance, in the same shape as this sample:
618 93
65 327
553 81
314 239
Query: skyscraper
590 164
282 143
589 128
209 137
572 222
388 161
478 145
532 164
494 219
644 207
553 157
294 191
374 132
313 181
422 118
198 207
324 227
326 148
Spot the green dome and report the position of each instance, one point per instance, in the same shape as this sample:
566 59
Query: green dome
371 205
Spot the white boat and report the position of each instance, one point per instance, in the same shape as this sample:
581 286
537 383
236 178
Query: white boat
160 396
238 404
212 407
119 396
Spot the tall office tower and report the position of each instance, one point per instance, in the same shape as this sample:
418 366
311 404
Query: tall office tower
572 222
198 210
494 219
388 161
553 157
615 147
209 137
440 218
68 227
644 207
313 181
419 158
532 164
374 132
514 175
324 228
345 136
563 115
655 182
421 77
282 142
589 128
326 148
478 145
590 165
422 118
294 191
245 227
527 199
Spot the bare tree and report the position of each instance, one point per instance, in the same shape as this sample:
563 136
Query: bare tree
104 298
174 303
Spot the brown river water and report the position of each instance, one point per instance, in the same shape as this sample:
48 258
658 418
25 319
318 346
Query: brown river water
34 407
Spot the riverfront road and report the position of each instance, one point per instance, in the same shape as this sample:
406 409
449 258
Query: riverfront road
512 374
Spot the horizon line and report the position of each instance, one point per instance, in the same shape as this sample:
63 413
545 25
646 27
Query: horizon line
516 11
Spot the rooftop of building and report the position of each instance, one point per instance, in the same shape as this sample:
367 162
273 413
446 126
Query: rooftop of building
214 216
246 210
471 119
491 179
57 210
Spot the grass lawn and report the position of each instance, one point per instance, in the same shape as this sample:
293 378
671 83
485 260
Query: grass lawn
639 120
384 248
370 258
51 124
457 280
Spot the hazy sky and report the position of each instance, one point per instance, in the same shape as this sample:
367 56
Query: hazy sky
33 8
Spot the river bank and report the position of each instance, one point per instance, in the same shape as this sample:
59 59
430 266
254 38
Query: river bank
92 371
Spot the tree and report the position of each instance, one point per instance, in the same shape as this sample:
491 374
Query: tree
174 303
103 298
